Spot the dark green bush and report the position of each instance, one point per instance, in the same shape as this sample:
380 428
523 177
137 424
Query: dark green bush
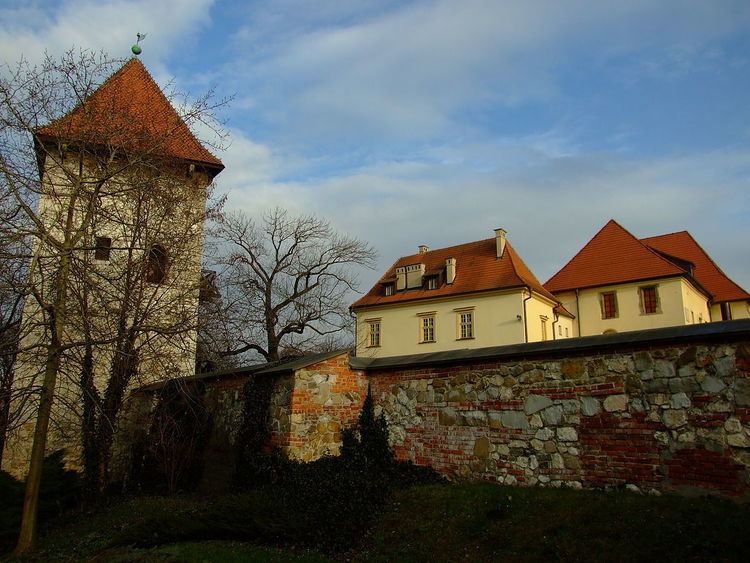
60 491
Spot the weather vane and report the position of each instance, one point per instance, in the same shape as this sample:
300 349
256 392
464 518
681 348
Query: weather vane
136 48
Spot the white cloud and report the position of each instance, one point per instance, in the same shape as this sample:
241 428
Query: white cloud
99 25
410 71
551 205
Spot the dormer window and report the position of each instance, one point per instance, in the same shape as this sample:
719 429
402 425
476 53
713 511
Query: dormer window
387 289
432 282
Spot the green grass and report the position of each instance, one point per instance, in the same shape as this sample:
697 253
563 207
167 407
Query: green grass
467 522
484 522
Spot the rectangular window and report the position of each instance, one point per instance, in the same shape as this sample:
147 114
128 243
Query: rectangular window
649 300
432 282
559 330
374 334
609 304
428 329
566 331
102 248
544 326
388 289
466 324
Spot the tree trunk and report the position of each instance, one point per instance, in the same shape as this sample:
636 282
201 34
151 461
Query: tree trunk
28 533
57 317
88 424
124 366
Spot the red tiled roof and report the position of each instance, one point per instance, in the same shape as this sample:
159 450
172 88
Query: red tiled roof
130 110
477 269
612 256
683 246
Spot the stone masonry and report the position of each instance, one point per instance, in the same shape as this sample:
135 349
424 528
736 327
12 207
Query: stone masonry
658 418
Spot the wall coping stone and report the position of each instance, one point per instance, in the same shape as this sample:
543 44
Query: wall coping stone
637 339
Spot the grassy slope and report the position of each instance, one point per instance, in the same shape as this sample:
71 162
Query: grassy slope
459 522
486 522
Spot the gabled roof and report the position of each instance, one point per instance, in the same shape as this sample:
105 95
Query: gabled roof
683 246
130 110
612 256
477 269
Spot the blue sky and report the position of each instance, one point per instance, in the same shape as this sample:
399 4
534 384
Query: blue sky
433 122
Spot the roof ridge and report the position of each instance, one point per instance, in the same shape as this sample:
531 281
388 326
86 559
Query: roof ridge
707 255
534 281
445 248
142 67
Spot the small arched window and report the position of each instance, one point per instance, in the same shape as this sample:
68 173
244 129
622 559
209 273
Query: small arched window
158 264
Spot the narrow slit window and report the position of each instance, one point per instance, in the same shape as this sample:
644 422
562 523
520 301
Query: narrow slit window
158 264
466 321
102 248
428 329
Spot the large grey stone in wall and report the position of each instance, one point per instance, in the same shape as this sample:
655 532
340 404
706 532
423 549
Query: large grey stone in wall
680 401
643 361
616 403
664 368
552 415
514 419
535 403
724 366
590 406
674 418
711 384
742 392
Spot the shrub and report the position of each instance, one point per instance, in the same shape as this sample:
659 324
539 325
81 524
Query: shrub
60 491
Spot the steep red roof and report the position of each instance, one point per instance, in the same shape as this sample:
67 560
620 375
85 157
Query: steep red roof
130 110
683 246
477 269
612 256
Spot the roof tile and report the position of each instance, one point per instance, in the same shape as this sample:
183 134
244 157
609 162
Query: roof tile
683 246
612 256
477 269
129 109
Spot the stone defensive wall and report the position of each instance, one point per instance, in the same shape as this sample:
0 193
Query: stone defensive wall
312 400
656 410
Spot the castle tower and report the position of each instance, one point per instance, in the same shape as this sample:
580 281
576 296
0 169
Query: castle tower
122 203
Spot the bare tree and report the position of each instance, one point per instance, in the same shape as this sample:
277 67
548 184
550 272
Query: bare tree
69 157
286 281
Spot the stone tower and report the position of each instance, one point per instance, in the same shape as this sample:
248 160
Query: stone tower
124 185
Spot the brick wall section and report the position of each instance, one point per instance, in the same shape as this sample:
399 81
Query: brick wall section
327 398
667 418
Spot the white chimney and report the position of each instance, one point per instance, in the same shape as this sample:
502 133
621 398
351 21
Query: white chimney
450 270
500 241
400 279
423 248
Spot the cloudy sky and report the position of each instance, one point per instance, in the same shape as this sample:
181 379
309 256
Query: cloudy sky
433 122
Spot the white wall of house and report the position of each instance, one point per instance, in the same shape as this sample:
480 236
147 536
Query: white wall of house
680 303
498 320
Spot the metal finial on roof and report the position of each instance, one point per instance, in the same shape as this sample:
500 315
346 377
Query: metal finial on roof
136 48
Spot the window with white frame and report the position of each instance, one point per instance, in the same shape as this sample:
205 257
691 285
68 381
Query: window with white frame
543 319
466 324
427 328
373 333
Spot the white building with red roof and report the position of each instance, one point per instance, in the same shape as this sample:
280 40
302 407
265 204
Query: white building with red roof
618 282
471 295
